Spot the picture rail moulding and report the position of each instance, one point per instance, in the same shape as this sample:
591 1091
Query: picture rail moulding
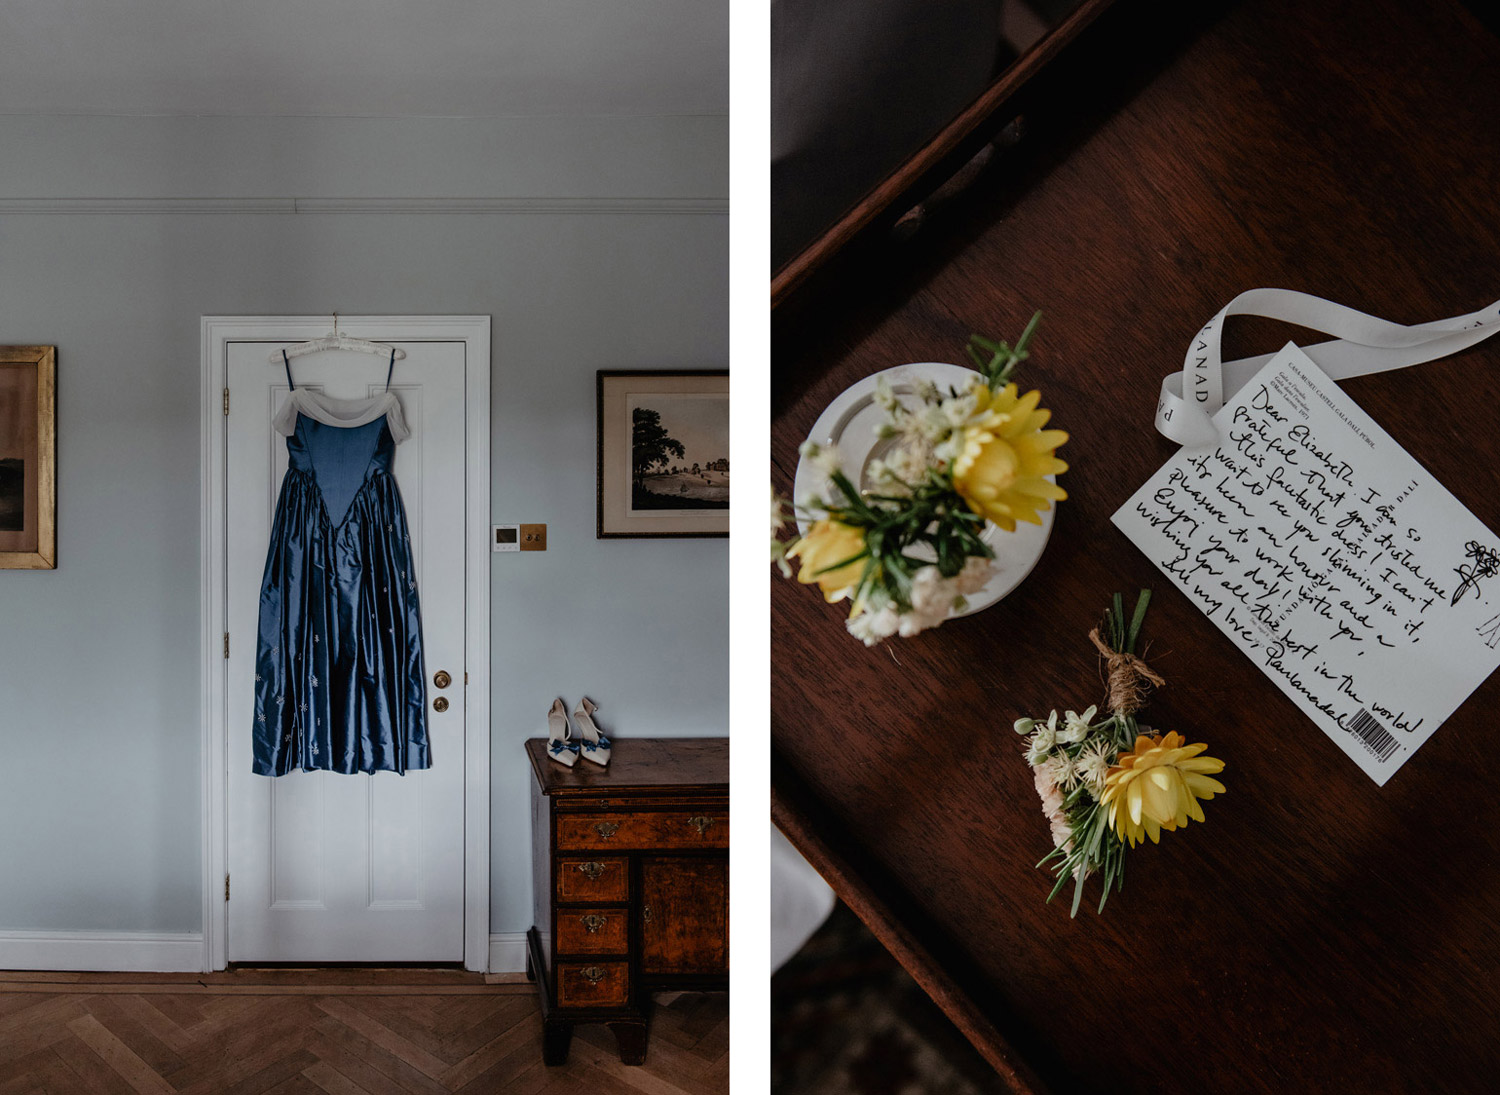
513 205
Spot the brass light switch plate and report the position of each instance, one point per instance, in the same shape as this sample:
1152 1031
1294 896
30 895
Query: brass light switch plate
533 537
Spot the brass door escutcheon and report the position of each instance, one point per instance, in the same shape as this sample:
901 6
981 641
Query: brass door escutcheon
593 974
592 870
593 922
606 829
442 680
702 824
646 913
440 704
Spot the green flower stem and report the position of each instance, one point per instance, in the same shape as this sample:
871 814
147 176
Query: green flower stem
1094 849
1003 358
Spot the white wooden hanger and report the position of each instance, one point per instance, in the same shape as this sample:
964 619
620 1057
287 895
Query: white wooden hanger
337 340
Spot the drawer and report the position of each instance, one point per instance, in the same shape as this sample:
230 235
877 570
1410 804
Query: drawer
702 829
583 878
593 984
593 931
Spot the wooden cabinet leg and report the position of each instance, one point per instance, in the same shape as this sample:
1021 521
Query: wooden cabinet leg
630 1037
557 1036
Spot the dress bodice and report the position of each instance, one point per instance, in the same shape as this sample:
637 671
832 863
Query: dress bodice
340 458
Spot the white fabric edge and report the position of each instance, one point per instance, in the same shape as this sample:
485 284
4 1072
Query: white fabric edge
344 413
800 900
1366 344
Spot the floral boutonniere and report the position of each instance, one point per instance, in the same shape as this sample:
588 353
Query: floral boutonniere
1112 782
907 548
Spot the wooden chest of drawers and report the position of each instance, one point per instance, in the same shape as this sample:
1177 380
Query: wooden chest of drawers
631 884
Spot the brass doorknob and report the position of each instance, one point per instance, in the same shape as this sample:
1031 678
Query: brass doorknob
440 704
442 680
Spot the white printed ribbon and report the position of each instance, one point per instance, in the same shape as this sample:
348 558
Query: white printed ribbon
1362 344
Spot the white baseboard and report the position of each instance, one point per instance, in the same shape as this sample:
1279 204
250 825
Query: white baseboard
155 952
508 952
136 952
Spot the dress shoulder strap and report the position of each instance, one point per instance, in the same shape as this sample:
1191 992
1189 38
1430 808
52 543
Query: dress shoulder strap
288 365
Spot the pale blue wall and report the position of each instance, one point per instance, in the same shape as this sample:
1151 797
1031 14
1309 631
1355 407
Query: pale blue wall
99 660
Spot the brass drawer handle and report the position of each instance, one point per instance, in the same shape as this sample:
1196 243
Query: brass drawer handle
593 974
591 871
593 922
701 823
606 829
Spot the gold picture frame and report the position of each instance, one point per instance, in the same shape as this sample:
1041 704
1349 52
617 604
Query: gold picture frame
28 457
663 453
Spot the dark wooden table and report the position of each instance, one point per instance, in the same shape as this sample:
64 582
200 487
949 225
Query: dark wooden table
1318 933
630 884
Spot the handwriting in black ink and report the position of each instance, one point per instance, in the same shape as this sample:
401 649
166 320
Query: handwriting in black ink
1490 629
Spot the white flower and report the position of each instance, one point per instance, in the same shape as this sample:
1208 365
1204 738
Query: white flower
932 597
824 459
885 395
1061 769
778 514
958 409
1046 789
890 476
1038 747
1094 762
1044 736
1076 727
908 461
931 592
870 627
932 424
926 390
977 570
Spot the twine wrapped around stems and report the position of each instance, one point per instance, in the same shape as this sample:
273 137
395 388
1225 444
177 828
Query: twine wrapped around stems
1130 678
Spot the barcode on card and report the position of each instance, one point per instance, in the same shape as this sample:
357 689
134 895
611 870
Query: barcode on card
1377 738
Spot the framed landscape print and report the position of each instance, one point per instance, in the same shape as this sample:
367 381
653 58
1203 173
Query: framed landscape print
663 453
28 457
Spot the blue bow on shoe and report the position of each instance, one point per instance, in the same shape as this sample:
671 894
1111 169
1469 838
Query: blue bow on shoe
557 748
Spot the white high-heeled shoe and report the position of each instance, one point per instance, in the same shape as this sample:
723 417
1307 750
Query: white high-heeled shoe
559 748
591 738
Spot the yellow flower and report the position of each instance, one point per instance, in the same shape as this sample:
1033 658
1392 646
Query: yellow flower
1158 786
828 544
1005 455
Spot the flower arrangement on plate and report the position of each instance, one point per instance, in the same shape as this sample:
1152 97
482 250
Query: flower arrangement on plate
1112 782
907 537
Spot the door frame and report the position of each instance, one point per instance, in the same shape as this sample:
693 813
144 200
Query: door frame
217 332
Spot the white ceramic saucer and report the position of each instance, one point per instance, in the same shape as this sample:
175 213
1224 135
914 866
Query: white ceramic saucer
848 425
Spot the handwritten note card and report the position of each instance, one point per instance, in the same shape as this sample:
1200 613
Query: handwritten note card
1365 590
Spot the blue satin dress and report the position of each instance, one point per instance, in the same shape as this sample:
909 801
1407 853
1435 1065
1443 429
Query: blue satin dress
339 678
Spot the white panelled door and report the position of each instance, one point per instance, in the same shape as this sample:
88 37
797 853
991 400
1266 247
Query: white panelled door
327 867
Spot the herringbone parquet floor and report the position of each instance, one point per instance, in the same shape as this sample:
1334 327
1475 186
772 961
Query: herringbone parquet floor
346 1032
